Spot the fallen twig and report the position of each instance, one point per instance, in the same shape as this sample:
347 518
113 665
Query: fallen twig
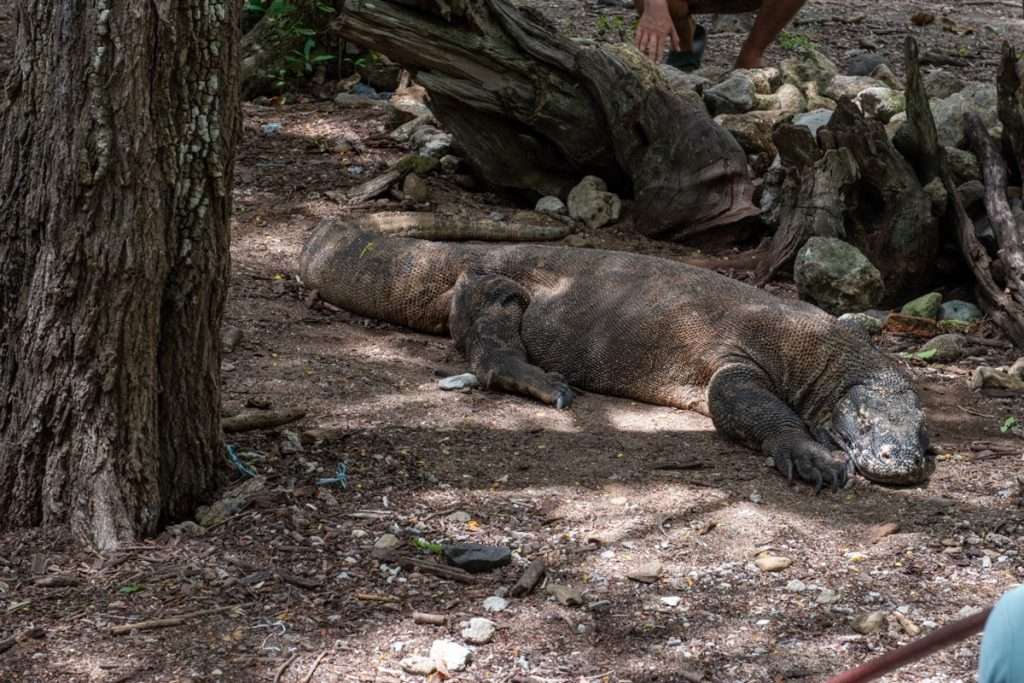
264 419
427 567
429 619
316 664
168 622
7 643
284 667
530 578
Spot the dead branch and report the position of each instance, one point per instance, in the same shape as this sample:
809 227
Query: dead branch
530 578
168 622
264 419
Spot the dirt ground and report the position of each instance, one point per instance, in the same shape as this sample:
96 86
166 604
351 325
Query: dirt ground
598 491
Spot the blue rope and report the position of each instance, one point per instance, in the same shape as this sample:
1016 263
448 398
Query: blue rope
340 478
244 469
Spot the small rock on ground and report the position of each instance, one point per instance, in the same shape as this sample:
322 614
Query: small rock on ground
772 563
565 595
453 656
495 604
648 572
475 558
418 665
478 631
869 623
926 306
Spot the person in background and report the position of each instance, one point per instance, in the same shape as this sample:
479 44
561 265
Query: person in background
669 24
1002 646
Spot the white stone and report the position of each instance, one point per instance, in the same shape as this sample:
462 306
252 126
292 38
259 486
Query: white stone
495 604
478 631
453 656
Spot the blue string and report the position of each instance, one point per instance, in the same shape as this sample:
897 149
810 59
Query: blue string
244 469
340 478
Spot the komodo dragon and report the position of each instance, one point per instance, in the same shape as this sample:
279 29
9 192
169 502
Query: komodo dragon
780 376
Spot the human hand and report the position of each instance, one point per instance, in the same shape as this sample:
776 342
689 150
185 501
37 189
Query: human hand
653 28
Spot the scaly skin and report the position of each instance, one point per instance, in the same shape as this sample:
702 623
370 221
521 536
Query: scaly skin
782 377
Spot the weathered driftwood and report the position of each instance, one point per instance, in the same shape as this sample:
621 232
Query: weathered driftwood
863 191
1004 305
1011 106
888 213
817 211
533 110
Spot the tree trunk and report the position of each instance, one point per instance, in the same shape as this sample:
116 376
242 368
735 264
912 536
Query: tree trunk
533 110
117 142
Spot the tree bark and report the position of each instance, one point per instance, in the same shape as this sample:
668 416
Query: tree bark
533 110
117 143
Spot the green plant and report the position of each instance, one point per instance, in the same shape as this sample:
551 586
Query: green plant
287 23
795 42
1008 424
613 28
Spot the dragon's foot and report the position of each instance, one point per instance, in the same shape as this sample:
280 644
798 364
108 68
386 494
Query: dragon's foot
813 463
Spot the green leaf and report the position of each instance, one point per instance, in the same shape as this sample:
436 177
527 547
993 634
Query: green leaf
424 544
1008 424
130 588
927 354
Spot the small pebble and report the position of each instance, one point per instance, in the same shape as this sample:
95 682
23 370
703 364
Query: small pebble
772 563
387 542
565 595
478 631
869 623
649 572
418 665
796 586
452 655
827 596
671 600
495 604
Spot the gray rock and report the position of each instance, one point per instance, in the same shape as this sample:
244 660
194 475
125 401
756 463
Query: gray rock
591 203
466 380
789 98
405 131
963 165
766 80
796 586
475 558
862 63
881 103
187 528
869 623
734 95
815 100
863 321
895 126
418 665
565 595
648 572
813 120
550 205
949 112
453 656
811 65
415 189
732 23
939 83
752 132
925 306
938 196
884 73
945 348
837 276
850 86
495 603
827 596
684 83
437 146
961 311
450 163
387 542
478 631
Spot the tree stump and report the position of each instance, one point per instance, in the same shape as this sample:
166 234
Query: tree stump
532 110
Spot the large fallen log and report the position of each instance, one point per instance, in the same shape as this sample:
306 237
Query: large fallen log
534 110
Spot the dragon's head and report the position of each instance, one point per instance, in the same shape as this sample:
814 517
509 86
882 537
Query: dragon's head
880 425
